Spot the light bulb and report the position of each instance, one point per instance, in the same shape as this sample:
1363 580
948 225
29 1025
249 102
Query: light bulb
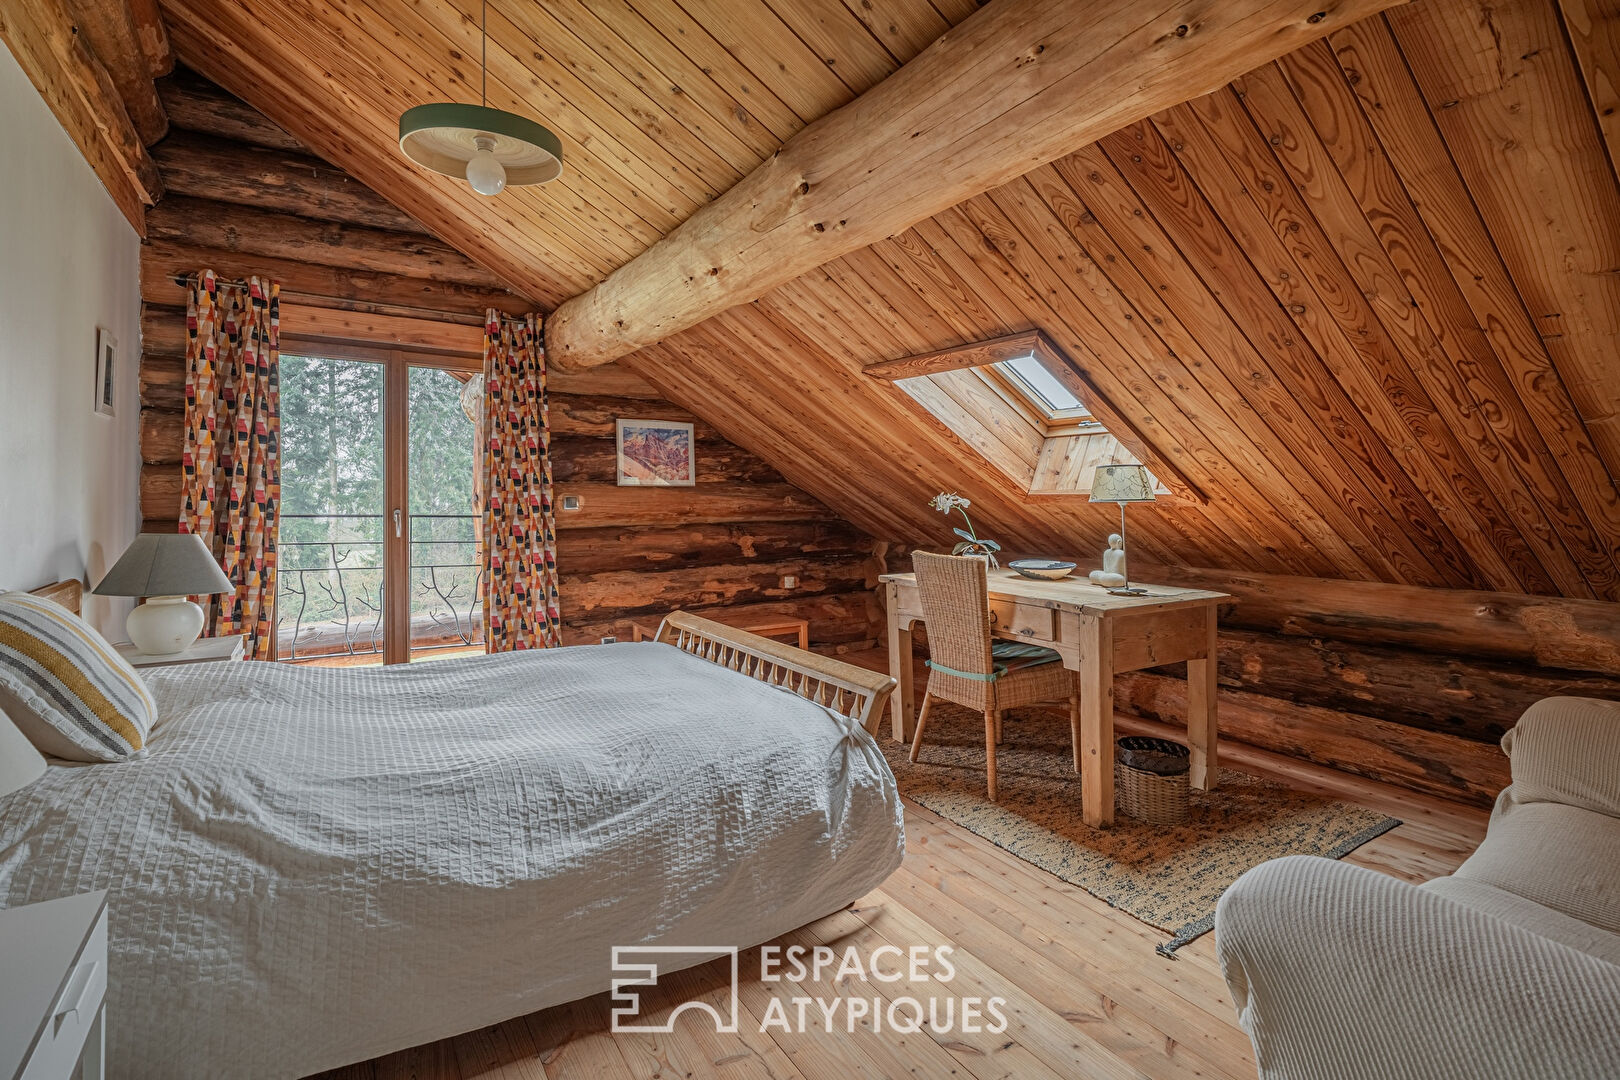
484 173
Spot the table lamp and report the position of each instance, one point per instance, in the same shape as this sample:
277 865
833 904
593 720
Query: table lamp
1123 484
167 569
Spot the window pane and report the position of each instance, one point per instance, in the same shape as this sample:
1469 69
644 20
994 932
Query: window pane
446 578
1048 391
329 584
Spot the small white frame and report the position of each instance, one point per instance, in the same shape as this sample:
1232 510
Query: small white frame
106 385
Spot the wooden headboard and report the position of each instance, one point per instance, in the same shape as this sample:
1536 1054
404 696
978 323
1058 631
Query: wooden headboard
70 594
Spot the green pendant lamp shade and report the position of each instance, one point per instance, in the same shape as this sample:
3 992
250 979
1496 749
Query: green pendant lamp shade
489 148
465 140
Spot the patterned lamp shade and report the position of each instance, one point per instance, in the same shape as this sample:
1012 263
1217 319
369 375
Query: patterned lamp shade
1122 484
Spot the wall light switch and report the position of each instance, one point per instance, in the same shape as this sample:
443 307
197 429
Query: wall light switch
609 640
570 502
789 581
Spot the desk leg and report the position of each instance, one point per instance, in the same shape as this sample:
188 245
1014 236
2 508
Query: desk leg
1202 728
902 703
93 1058
1097 722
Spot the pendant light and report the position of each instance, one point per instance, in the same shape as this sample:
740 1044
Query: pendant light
490 148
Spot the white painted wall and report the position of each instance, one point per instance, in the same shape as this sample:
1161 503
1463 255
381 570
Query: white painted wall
69 262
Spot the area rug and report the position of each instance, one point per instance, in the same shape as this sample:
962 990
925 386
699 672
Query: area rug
1168 877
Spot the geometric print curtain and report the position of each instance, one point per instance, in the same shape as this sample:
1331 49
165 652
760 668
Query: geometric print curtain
520 531
232 458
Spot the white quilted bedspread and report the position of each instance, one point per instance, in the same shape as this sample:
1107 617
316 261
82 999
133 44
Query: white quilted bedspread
318 866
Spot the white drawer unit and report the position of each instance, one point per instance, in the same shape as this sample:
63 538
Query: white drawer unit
54 956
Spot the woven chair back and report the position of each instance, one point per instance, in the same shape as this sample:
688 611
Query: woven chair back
955 599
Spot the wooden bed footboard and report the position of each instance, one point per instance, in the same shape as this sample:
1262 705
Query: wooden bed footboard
852 691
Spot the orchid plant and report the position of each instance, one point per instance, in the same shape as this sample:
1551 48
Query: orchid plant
970 544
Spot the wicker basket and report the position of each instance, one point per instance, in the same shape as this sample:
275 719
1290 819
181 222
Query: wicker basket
1158 798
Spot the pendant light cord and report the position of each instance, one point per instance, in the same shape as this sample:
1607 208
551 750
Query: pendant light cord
483 91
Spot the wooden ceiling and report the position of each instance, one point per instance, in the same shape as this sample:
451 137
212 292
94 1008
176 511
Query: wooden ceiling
1365 299
661 105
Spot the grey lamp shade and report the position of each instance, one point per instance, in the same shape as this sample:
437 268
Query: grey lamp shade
1122 484
166 564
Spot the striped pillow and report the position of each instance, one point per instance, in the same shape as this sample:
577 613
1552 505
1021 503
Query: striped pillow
65 687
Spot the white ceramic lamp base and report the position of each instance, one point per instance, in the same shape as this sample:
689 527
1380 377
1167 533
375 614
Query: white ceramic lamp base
165 625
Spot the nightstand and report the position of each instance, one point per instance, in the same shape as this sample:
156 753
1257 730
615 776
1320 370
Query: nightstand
55 959
205 650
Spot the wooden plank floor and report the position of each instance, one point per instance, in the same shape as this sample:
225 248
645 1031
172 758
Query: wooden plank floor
1087 995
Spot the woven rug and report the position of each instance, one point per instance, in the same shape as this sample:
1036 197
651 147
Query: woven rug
1168 877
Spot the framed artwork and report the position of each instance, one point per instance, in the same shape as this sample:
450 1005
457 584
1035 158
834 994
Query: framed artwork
655 453
106 371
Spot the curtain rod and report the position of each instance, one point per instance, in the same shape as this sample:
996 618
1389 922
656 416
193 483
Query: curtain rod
229 283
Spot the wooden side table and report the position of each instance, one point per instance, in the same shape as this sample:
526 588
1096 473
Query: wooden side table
206 650
798 629
54 956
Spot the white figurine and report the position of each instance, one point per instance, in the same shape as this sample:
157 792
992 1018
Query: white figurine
1112 574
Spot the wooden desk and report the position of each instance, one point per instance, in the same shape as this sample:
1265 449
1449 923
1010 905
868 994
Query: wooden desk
1097 635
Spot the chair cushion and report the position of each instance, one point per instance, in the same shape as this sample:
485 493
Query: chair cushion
66 687
1561 857
1017 655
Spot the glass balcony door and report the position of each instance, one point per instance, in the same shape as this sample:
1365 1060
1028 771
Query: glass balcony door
379 538
446 571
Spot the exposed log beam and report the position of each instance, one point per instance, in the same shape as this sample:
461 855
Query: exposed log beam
153 37
110 29
1012 87
81 94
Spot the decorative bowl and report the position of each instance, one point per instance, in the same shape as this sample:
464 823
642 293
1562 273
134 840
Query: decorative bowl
1042 569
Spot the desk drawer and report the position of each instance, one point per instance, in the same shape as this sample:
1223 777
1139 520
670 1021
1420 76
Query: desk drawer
74 1014
1023 620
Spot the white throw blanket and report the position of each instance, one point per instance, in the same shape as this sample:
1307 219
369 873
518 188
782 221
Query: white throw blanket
317 866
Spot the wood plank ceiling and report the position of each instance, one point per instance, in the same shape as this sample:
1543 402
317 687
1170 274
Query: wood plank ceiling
1365 299
660 105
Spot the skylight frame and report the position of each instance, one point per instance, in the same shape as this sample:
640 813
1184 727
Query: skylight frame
1012 426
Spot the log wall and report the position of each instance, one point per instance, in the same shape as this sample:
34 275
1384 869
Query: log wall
245 198
1408 685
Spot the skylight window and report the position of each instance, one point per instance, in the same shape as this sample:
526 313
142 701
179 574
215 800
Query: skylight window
1017 401
1041 387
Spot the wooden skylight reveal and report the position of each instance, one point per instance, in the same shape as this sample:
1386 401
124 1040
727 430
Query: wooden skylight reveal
1020 403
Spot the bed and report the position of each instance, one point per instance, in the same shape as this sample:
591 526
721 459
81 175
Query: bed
315 866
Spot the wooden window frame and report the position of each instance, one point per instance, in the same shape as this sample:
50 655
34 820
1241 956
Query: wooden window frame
396 361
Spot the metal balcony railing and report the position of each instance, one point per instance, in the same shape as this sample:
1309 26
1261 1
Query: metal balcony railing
330 592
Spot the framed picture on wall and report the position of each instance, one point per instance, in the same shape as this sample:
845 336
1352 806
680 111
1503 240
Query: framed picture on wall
106 371
655 453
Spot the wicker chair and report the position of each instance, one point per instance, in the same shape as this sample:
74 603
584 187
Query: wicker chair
973 669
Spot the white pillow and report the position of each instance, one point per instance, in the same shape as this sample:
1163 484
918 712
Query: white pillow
66 687
20 763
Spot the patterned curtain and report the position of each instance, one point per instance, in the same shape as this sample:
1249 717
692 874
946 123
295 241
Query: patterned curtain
520 533
232 460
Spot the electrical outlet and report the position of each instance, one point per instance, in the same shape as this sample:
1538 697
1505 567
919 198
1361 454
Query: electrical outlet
789 581
610 640
571 502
